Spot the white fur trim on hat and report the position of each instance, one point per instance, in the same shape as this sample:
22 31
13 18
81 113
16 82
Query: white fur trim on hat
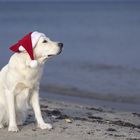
21 48
33 64
35 37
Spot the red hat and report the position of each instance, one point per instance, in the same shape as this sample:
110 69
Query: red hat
27 43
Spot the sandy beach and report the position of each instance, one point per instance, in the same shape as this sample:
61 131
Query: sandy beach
98 67
78 122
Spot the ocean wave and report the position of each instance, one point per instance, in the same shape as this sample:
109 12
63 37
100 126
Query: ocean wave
75 92
108 67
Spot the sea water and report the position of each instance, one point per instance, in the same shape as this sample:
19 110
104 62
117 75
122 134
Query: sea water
101 43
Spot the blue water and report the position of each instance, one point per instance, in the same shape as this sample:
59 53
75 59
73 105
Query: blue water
101 43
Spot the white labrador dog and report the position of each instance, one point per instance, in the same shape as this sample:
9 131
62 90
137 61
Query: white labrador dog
19 85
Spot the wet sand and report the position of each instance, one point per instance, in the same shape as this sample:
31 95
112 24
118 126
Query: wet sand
78 122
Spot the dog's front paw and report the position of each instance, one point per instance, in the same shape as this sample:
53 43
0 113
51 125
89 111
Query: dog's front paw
13 129
45 126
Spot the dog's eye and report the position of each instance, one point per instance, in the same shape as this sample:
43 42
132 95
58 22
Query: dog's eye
45 41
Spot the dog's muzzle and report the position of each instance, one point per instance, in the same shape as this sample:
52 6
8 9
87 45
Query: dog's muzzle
60 45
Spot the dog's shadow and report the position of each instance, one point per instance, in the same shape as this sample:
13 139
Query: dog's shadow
29 120
48 115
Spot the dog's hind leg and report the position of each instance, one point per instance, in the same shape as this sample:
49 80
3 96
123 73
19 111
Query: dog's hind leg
10 100
2 116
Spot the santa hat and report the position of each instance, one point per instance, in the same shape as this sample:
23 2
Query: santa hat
27 43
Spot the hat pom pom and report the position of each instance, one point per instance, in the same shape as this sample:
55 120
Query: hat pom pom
33 64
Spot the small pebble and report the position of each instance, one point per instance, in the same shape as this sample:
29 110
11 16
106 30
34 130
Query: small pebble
68 120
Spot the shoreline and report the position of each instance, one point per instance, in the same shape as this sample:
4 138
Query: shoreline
75 92
91 102
78 122
73 95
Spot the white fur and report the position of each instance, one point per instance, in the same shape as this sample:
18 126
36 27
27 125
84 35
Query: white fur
19 85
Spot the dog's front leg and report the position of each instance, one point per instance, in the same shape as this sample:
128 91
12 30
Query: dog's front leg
11 111
36 107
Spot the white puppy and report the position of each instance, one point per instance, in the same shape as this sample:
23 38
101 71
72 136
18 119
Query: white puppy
19 84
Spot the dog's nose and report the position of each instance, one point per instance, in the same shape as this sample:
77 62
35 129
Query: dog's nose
60 45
